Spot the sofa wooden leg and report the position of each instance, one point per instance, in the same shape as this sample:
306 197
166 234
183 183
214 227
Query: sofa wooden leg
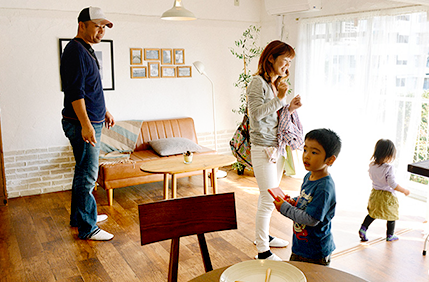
109 197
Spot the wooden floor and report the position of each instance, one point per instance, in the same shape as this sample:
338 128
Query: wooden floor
37 243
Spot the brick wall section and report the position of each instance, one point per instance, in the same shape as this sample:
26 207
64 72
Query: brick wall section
39 171
206 139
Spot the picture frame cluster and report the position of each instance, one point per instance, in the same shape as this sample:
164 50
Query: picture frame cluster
161 63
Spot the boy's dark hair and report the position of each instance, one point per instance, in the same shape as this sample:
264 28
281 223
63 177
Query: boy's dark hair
384 151
328 139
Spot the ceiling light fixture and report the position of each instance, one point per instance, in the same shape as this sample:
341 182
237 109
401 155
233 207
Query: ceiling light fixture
178 13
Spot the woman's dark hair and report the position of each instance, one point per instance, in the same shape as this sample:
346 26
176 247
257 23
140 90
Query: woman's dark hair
384 152
273 49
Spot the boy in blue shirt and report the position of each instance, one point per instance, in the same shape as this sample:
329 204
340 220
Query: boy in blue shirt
314 209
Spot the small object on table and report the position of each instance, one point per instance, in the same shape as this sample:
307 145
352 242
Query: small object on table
256 270
267 275
310 272
187 156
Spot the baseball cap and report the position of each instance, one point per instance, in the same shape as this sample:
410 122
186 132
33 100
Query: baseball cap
94 14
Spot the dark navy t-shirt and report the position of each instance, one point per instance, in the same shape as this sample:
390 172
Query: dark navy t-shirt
80 78
317 198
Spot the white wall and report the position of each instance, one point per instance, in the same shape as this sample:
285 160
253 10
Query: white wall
30 96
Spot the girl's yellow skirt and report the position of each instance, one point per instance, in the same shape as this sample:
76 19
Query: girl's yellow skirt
383 205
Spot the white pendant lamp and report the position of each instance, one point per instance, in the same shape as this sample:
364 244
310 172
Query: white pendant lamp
178 13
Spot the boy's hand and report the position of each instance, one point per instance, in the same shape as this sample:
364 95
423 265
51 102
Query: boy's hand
290 200
278 202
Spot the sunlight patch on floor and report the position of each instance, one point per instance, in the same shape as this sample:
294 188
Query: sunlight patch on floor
250 190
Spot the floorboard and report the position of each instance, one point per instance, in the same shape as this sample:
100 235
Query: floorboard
37 243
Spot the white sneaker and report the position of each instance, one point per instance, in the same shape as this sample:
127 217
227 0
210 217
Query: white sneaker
272 257
277 243
101 217
101 235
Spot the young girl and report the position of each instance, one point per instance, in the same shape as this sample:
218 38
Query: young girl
383 203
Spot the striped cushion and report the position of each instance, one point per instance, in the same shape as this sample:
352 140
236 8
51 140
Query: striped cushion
121 138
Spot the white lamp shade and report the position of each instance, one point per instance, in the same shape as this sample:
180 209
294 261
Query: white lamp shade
178 13
199 66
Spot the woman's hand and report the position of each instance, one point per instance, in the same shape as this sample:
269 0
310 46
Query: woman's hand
295 104
282 89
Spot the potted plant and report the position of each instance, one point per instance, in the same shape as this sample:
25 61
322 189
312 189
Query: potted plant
246 50
239 167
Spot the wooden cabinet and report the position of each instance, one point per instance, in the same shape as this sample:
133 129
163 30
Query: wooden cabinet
3 193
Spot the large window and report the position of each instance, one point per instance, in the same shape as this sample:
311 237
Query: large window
364 78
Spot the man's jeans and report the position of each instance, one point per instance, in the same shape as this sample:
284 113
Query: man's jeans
83 205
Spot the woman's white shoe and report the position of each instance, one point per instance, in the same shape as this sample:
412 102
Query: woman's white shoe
272 257
277 243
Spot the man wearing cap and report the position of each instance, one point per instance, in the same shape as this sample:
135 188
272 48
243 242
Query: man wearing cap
84 114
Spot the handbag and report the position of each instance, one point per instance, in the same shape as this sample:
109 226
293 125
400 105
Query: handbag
240 143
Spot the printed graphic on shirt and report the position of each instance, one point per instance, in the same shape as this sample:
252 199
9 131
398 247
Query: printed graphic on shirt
299 229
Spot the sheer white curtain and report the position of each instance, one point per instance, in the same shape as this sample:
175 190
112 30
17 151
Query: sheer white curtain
363 78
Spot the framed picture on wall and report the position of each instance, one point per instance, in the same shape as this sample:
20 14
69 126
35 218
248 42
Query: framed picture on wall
151 54
153 69
138 72
168 71
136 57
166 56
184 71
179 56
104 54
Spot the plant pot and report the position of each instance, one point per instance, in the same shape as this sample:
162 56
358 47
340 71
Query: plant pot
240 171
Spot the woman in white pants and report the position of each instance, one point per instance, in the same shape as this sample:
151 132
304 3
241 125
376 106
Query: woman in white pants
266 94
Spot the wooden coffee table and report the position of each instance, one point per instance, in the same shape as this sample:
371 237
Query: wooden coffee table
175 166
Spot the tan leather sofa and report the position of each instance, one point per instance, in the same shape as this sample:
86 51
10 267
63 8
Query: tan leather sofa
118 175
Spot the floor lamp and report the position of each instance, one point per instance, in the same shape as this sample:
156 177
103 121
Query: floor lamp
200 68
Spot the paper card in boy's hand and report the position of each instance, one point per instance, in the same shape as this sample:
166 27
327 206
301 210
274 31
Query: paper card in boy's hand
277 192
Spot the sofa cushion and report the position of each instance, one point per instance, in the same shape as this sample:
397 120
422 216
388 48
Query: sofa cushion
120 138
173 146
